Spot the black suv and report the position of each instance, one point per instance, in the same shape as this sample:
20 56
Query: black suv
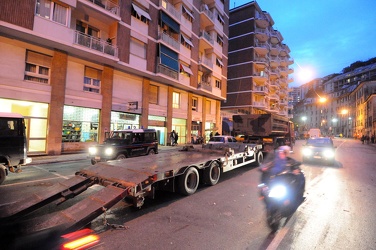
122 144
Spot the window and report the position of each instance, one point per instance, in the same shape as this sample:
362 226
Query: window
187 13
176 100
169 58
220 40
140 14
194 103
92 80
138 48
218 84
37 67
219 63
220 19
186 42
53 11
153 94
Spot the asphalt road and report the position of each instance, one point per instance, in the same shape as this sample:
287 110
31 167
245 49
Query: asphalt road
337 214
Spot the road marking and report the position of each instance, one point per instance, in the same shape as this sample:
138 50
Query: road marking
58 175
278 238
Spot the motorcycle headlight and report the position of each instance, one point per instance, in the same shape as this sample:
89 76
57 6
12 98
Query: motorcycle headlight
93 150
109 151
278 191
307 151
328 153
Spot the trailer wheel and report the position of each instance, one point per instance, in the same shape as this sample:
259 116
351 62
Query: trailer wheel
188 182
151 152
3 173
212 173
259 158
121 157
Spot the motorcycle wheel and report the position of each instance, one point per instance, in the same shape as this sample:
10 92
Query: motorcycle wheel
274 219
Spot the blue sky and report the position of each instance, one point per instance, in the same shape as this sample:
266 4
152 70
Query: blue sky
324 36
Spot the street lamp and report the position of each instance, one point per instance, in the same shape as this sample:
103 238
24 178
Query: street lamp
346 112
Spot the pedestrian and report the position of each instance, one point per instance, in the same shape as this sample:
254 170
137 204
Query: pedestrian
367 139
362 139
373 138
176 138
172 137
211 134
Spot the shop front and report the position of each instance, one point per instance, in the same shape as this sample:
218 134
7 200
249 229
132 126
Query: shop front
35 115
120 121
159 124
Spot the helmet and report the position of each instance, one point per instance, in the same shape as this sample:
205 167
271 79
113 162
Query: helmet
285 149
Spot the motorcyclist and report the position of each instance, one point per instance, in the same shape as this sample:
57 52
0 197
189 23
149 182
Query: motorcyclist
282 163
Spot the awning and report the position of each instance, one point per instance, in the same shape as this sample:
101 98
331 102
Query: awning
170 22
141 12
186 69
220 62
187 40
188 12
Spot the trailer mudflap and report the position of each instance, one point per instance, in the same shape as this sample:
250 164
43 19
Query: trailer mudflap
83 212
63 190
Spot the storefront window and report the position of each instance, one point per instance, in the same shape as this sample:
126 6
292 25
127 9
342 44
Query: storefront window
80 124
120 121
180 127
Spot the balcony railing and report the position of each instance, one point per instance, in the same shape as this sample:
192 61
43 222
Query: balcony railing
207 36
95 44
169 40
258 104
107 5
205 85
167 71
206 61
170 9
205 9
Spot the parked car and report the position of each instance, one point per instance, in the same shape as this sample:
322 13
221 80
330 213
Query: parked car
122 144
222 139
319 148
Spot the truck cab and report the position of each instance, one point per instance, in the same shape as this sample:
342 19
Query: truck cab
121 144
12 144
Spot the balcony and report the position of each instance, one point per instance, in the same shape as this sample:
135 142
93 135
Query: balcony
260 78
262 21
169 40
206 62
261 47
162 69
206 40
206 16
262 34
108 6
274 61
205 85
259 104
95 43
170 9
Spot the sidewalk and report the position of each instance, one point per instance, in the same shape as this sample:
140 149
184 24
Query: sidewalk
44 159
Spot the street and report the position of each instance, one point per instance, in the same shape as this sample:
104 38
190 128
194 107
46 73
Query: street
337 214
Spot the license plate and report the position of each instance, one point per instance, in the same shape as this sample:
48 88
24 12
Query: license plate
97 158
317 157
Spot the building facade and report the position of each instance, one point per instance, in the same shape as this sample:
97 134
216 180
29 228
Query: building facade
76 69
258 68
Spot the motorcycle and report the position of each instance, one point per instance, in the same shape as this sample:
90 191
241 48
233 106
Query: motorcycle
282 195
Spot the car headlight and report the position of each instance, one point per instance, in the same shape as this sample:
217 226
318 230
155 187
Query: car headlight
328 153
109 151
307 152
278 191
93 150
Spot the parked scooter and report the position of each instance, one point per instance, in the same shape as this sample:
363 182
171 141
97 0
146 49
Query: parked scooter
282 195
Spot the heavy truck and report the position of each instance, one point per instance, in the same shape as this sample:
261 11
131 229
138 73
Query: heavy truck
131 180
269 130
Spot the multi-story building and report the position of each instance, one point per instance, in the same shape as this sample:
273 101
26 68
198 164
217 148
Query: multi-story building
79 68
258 70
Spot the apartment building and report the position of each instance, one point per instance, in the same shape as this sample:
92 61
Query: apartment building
258 68
76 69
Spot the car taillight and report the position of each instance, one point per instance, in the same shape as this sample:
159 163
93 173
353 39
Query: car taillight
81 239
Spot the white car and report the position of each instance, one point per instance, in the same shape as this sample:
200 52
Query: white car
222 139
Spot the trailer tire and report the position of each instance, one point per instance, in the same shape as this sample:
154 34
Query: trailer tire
3 173
259 158
151 152
212 173
188 182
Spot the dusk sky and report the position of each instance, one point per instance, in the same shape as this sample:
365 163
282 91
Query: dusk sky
324 36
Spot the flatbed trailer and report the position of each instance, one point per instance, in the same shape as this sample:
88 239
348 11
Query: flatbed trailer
132 179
